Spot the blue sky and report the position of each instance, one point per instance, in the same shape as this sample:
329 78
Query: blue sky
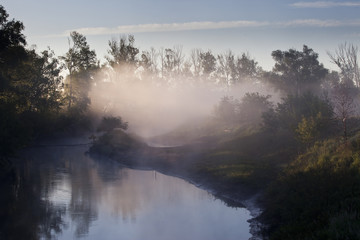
257 26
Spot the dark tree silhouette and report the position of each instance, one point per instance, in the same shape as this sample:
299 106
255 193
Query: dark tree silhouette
296 72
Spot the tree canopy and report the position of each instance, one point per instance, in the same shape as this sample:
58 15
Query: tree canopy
296 72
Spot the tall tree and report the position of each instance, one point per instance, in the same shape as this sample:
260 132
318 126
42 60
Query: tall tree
122 51
10 31
344 106
172 60
148 62
246 69
12 47
195 59
29 87
226 70
81 63
296 72
37 82
13 133
207 63
122 59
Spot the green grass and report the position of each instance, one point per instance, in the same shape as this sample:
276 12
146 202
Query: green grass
317 196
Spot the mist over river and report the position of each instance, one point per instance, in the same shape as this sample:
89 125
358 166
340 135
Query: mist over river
59 192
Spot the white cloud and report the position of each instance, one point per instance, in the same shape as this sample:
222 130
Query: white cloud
188 26
168 27
324 4
319 23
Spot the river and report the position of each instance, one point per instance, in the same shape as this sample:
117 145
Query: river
62 193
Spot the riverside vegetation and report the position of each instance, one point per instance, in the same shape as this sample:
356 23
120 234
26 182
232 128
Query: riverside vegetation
298 147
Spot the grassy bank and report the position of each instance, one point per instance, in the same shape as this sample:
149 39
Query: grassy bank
317 196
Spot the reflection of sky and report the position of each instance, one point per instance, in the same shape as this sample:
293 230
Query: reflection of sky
114 203
61 192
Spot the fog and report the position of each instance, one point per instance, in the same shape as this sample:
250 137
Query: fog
154 105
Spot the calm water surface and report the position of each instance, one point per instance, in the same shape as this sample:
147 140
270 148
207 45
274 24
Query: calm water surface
61 193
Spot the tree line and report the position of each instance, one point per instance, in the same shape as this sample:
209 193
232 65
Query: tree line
41 93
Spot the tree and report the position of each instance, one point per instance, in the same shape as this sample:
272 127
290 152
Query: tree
171 64
42 85
148 62
81 63
253 105
226 109
122 59
226 69
309 128
110 123
345 58
30 85
122 51
292 110
296 72
173 60
344 107
178 58
12 47
208 62
195 59
10 31
204 66
246 68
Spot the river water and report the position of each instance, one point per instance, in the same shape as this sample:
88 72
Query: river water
62 193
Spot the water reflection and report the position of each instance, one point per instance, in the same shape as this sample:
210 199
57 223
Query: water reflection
61 193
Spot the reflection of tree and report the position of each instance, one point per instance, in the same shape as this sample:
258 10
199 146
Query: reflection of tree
82 211
33 207
53 220
24 213
118 194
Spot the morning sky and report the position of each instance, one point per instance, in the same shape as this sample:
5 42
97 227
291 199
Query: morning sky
257 27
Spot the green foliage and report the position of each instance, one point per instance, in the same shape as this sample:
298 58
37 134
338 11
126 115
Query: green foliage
309 129
317 196
301 115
